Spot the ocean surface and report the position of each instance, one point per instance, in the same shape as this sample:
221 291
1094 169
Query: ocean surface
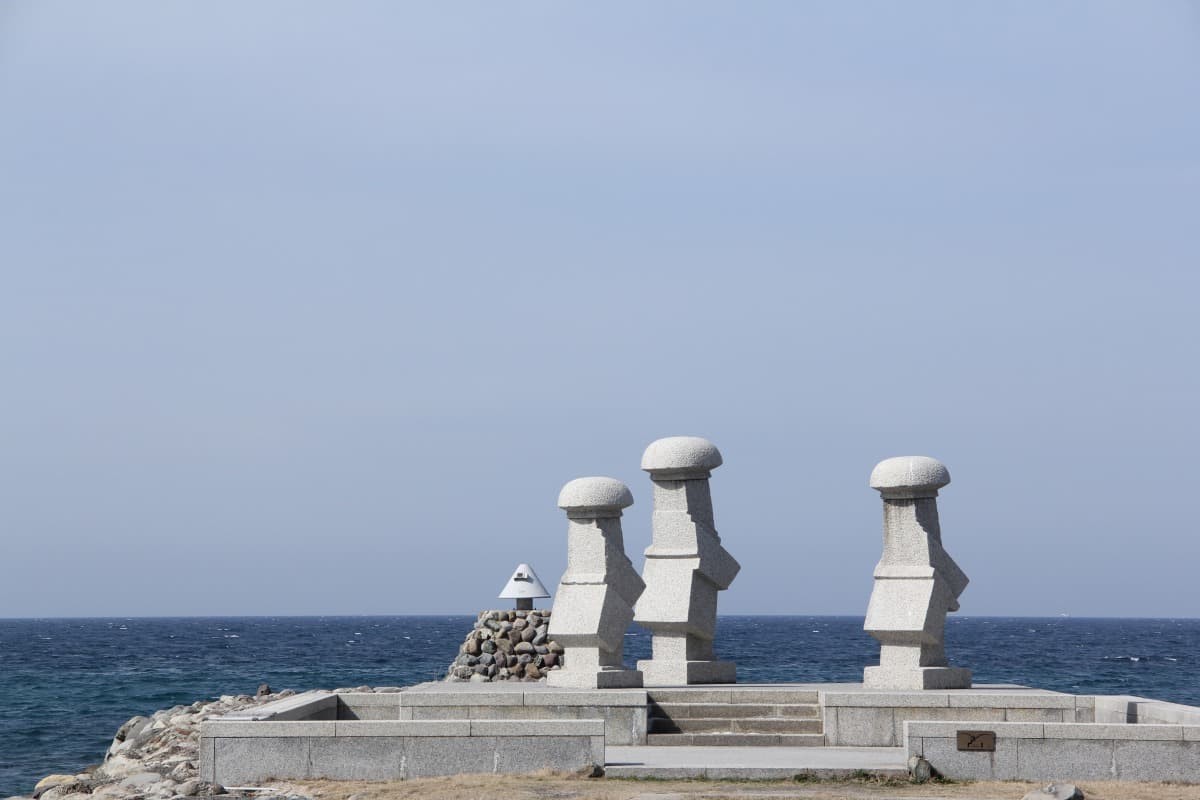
66 685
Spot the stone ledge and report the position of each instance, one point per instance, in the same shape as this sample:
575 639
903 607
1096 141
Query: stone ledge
452 698
293 708
1061 701
371 699
1080 731
1095 730
401 728
949 730
220 729
608 697
1089 751
885 699
561 727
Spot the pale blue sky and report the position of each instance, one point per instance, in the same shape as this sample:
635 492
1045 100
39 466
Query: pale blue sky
312 308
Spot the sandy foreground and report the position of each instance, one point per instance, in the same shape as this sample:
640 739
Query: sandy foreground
490 787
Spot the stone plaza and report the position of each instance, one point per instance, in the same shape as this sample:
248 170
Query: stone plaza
681 713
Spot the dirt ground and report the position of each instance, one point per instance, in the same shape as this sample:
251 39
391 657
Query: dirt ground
557 787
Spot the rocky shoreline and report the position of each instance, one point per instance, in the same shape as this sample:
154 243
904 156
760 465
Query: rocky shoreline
157 757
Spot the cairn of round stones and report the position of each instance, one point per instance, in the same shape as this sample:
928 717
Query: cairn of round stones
594 603
916 581
685 566
507 645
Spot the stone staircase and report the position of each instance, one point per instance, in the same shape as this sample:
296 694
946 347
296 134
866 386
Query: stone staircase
734 717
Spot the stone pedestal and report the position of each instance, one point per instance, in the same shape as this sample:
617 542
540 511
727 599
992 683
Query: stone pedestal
685 567
594 603
916 581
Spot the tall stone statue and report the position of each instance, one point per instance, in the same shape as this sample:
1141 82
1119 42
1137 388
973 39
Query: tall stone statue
594 603
685 566
916 581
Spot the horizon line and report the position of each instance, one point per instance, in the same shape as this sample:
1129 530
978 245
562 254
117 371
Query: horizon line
475 613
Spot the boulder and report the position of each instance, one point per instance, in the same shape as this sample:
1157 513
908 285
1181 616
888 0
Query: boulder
919 769
119 766
1055 791
51 782
141 781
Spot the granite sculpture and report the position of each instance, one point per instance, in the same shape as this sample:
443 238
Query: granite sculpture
686 566
594 603
916 581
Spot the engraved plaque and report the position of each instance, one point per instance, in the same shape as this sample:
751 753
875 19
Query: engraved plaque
983 741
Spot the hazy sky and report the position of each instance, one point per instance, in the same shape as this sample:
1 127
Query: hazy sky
312 308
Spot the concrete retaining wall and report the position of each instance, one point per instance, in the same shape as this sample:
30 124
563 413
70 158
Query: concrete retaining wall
247 753
876 719
1122 709
1054 751
622 710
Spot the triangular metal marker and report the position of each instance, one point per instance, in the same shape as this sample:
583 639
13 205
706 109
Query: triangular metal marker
523 586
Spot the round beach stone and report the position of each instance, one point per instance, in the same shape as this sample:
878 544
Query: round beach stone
681 456
598 493
909 476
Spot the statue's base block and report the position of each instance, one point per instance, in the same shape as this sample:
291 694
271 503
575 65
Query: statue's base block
567 678
685 673
916 678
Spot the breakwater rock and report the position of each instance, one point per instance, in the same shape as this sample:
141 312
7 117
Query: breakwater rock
507 646
153 758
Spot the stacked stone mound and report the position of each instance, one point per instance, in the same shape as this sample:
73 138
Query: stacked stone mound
507 646
155 757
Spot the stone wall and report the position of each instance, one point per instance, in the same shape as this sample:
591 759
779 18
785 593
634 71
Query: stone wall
242 753
1045 752
876 719
507 646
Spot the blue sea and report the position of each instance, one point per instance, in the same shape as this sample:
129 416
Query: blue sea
66 685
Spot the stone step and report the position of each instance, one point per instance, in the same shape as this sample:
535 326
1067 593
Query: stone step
736 739
738 725
732 710
751 695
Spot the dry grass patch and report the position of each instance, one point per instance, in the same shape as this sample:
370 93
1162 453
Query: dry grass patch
550 786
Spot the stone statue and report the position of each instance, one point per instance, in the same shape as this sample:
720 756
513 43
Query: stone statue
685 566
595 599
916 581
